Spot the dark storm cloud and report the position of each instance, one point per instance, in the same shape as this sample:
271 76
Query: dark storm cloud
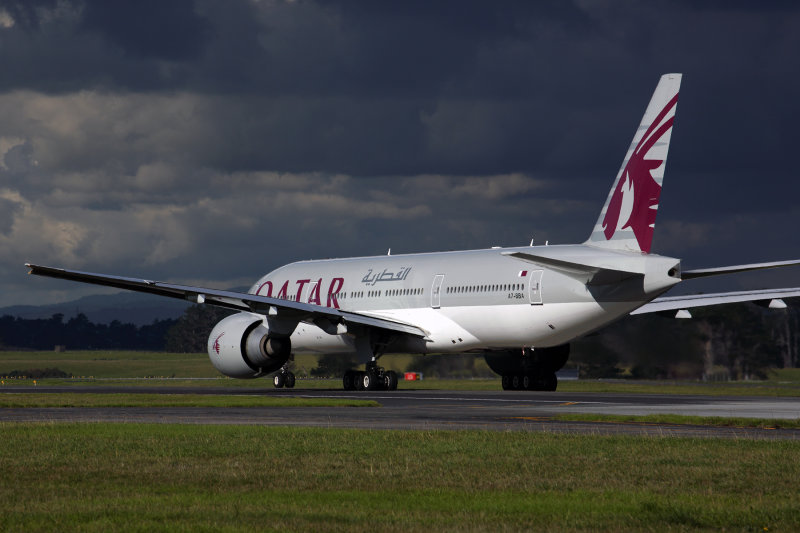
8 209
167 138
467 74
151 29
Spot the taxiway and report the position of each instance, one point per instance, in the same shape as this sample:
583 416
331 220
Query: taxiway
435 409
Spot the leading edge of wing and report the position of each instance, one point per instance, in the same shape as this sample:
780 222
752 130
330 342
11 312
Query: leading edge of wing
302 312
674 303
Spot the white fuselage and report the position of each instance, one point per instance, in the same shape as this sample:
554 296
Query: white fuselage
471 300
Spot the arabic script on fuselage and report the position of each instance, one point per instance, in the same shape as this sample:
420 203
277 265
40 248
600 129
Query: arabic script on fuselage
371 278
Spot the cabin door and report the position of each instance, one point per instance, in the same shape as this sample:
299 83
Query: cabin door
436 291
535 287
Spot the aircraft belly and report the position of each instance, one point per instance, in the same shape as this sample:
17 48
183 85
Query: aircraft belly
458 329
519 325
444 333
464 328
308 338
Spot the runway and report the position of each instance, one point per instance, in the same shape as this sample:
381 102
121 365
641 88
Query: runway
434 410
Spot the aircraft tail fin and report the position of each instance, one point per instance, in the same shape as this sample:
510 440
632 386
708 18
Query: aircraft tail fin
628 217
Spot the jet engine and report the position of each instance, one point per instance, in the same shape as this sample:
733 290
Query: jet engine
240 346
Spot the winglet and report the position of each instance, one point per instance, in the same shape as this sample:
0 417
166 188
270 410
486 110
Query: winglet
628 217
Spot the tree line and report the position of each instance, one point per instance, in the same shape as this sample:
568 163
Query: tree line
78 333
738 341
187 334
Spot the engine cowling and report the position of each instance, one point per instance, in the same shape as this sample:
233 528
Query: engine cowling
240 346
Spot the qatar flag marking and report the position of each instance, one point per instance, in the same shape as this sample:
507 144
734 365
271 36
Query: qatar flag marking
523 273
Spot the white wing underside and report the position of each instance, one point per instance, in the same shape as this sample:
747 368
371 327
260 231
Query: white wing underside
676 303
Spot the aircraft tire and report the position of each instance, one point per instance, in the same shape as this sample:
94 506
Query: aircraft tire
369 381
516 382
278 380
349 380
290 380
506 382
528 382
390 380
358 379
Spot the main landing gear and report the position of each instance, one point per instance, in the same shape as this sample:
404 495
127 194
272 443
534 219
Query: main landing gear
373 378
544 381
284 378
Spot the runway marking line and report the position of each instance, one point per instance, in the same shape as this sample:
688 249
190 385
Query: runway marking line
497 400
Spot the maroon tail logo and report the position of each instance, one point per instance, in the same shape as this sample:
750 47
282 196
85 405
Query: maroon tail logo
641 185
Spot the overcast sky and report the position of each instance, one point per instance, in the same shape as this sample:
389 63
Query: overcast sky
212 141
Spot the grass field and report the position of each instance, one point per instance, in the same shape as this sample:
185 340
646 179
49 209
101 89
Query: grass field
153 369
138 477
24 400
102 477
131 364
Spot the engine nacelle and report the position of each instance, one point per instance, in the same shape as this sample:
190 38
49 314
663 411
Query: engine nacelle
240 346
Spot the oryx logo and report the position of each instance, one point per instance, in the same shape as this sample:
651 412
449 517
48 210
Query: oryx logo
215 346
635 198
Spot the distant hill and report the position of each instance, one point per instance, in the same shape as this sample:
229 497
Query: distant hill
127 307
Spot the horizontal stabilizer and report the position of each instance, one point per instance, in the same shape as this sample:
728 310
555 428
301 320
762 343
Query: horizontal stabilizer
703 272
676 303
586 273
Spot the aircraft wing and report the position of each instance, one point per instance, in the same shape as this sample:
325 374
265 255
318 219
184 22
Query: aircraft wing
677 303
325 317
703 272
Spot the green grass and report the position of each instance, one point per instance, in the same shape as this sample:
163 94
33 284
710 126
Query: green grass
738 388
150 369
662 419
22 400
101 477
111 364
744 389
132 364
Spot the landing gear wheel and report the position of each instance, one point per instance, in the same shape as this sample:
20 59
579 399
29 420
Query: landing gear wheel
349 380
528 382
390 380
516 382
369 381
289 380
279 380
506 381
372 379
359 380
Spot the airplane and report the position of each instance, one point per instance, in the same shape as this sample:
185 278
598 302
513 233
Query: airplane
520 306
